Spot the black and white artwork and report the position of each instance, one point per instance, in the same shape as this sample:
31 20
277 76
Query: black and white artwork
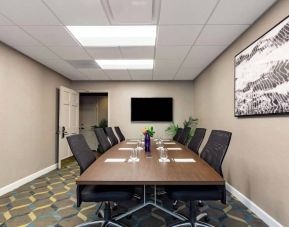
262 74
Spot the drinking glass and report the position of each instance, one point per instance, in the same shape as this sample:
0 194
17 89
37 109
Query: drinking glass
164 154
133 155
160 144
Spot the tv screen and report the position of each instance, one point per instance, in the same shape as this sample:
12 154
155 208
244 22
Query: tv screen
152 109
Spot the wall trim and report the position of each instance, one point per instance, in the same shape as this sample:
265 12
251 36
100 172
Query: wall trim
270 221
24 180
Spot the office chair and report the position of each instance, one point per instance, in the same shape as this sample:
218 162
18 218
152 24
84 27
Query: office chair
112 138
197 140
102 139
119 134
184 136
94 193
178 134
213 153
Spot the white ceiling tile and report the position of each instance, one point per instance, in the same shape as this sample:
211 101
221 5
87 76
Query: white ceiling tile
201 56
233 11
70 52
176 53
94 74
186 11
163 75
104 52
51 35
165 69
5 21
141 74
28 12
14 36
137 52
166 64
118 74
78 12
220 34
188 73
37 52
178 34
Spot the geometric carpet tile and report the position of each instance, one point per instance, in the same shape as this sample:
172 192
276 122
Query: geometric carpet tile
51 201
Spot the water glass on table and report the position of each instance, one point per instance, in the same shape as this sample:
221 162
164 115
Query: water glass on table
163 154
134 155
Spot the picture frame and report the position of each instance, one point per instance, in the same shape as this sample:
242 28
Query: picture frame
261 77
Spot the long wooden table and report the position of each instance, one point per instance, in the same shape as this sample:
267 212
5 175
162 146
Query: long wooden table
149 171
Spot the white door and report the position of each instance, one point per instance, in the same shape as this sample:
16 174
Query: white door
68 120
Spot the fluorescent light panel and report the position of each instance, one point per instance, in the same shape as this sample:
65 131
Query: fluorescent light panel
107 36
126 64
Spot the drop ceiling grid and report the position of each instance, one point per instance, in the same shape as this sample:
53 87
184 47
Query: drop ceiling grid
61 18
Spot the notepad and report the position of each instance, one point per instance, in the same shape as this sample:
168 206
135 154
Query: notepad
125 148
174 148
131 143
165 160
159 148
184 160
170 143
130 160
115 160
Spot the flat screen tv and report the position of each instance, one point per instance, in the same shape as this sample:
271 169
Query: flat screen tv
152 109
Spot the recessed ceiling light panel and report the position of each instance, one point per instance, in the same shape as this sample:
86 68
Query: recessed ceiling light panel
107 36
126 64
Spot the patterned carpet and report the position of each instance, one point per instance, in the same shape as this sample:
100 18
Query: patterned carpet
50 201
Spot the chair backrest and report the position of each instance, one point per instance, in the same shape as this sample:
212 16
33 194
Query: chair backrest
102 139
184 136
178 134
216 148
119 134
197 140
81 151
111 136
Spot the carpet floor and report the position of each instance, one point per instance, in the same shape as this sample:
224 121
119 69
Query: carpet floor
51 201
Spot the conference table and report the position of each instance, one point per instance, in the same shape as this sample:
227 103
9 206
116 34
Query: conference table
183 167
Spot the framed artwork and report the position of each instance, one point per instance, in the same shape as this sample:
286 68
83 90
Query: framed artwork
262 74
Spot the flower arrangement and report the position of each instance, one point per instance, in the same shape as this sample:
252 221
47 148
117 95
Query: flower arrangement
150 131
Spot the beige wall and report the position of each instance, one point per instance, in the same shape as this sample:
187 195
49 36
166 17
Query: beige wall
257 160
28 115
120 94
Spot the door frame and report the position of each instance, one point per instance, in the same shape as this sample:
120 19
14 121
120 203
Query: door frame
80 91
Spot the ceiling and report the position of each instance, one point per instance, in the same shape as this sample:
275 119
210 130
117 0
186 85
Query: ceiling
190 33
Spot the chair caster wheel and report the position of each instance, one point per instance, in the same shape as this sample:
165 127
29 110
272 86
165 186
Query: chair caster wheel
175 207
114 208
128 216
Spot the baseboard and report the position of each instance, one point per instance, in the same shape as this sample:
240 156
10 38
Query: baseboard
22 181
270 221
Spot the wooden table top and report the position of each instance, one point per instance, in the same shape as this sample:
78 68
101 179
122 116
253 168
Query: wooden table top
149 170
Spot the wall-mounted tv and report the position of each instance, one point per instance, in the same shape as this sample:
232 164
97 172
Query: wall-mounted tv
152 109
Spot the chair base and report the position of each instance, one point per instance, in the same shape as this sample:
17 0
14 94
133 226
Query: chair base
102 222
194 224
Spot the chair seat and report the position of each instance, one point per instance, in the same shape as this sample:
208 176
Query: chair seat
91 193
193 193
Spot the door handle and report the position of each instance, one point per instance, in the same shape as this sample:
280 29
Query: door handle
63 132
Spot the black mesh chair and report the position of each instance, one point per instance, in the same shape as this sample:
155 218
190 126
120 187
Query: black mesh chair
112 138
102 139
213 153
90 193
197 140
184 136
178 134
119 134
